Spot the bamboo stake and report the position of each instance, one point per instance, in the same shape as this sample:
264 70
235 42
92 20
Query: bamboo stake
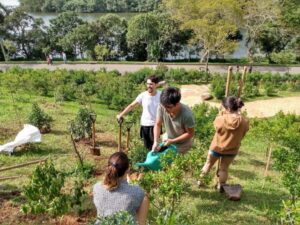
9 178
22 165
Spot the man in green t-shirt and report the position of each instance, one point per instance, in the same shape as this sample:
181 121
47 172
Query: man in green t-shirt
178 120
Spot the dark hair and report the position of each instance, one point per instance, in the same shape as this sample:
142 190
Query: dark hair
232 103
118 163
170 96
153 79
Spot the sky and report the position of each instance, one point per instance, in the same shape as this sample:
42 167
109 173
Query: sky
10 2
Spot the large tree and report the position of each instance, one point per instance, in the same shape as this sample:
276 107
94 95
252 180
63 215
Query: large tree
212 22
79 40
156 33
26 32
143 30
258 16
60 27
111 31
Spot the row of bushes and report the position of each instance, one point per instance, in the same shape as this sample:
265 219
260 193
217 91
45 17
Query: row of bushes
256 84
117 91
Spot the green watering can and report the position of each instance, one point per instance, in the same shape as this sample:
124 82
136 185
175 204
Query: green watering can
152 161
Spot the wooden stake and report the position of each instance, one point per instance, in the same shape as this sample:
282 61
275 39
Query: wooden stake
9 178
120 135
127 139
229 75
268 161
22 165
242 81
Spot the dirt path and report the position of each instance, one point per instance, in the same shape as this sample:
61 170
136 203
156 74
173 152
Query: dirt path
191 95
123 68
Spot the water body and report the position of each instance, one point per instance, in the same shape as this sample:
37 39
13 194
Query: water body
85 16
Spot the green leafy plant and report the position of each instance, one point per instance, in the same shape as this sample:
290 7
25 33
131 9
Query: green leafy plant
44 191
40 119
81 126
85 170
76 197
218 86
165 188
137 152
120 218
204 117
290 213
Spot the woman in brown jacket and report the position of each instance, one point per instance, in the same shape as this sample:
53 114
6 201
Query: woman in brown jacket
230 128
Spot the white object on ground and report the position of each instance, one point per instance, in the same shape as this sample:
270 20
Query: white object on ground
28 134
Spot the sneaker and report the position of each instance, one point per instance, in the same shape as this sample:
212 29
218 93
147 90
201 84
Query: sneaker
219 188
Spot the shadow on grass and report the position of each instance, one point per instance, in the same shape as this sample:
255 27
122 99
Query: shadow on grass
254 206
35 149
112 144
243 174
9 192
60 132
257 163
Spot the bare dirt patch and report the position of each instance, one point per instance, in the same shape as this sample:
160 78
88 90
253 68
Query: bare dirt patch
191 95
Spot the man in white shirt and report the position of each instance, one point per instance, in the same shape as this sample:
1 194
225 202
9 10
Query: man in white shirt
149 100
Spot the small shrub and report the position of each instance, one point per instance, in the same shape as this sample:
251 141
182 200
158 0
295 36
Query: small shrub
290 212
176 75
283 87
85 170
218 86
44 191
137 152
284 57
204 117
76 197
120 218
269 89
140 75
40 119
161 70
81 127
65 93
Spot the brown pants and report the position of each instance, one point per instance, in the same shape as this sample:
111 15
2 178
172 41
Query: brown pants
224 165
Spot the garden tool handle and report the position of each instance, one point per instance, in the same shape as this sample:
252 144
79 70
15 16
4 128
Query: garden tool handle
120 121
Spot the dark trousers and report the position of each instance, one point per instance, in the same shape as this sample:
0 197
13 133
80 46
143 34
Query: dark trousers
146 133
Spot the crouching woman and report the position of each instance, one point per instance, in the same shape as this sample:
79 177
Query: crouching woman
230 128
116 195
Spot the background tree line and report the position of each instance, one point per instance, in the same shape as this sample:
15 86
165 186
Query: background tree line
88 6
210 29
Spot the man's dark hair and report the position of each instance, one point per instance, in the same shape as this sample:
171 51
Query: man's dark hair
170 96
153 79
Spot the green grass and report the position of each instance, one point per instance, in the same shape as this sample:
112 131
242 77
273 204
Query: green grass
261 197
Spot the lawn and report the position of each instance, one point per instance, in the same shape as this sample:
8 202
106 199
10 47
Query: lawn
261 197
